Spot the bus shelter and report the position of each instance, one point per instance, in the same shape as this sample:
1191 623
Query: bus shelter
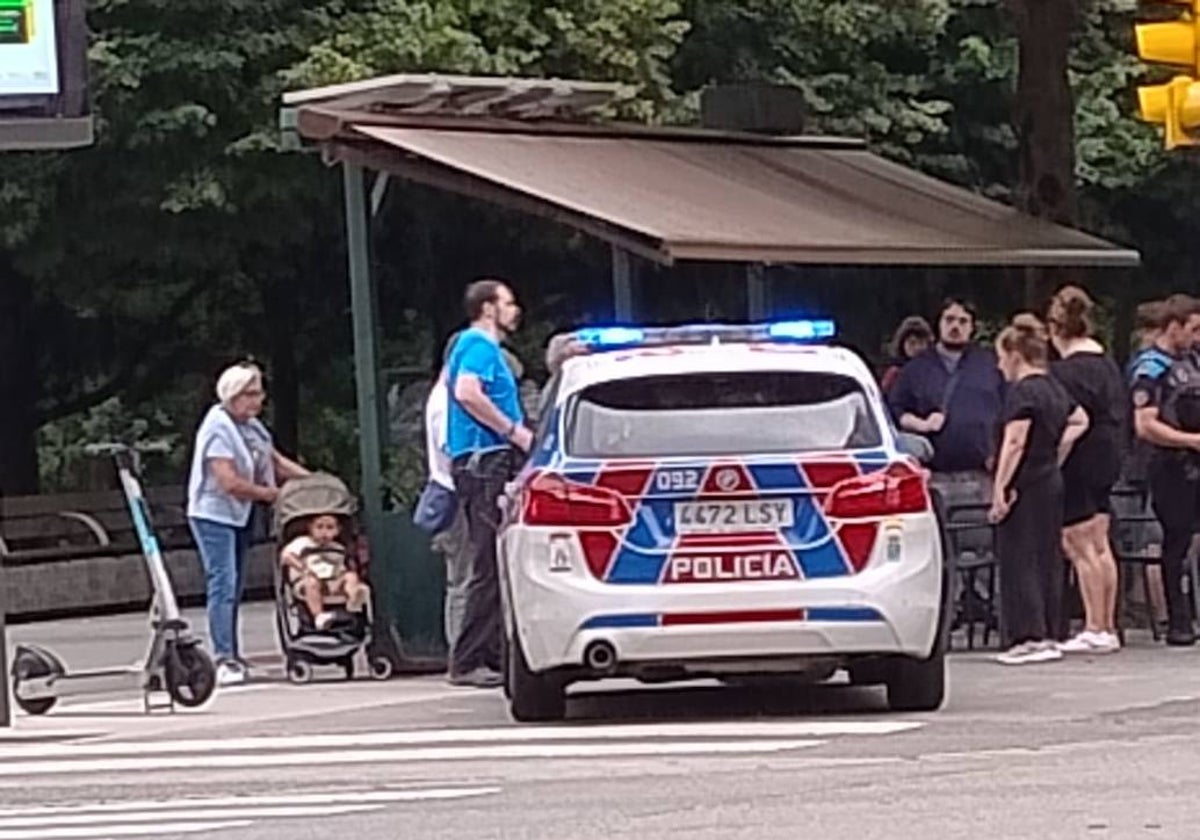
662 194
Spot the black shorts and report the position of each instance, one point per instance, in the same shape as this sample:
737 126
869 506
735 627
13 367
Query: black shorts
1083 499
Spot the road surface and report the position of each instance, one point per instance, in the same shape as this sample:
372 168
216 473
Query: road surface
1101 747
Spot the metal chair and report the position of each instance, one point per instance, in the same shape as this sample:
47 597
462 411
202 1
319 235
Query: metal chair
1136 539
971 546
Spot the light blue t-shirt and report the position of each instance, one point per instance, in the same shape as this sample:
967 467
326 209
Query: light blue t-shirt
250 448
478 354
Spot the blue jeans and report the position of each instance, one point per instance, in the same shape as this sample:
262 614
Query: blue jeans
223 554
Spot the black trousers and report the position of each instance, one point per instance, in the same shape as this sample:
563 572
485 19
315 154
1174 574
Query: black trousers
1174 497
1031 568
479 482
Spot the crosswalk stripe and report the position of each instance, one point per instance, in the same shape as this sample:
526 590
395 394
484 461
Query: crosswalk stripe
22 768
296 799
190 815
98 832
509 734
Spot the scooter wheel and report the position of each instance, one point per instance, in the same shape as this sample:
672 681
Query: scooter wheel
190 674
30 668
299 672
381 668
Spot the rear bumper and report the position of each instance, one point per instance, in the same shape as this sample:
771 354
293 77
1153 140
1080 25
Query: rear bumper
889 608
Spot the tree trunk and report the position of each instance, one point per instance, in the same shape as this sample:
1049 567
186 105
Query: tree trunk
1044 119
18 385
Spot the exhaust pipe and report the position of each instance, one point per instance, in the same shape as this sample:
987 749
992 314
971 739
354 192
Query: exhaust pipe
601 657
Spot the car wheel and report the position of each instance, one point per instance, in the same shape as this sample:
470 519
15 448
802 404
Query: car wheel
869 671
919 685
533 697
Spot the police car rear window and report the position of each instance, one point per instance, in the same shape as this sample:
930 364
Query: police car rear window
720 414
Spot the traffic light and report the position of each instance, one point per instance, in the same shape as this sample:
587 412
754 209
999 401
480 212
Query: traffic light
1176 104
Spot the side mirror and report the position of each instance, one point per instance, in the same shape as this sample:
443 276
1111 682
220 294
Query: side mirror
916 446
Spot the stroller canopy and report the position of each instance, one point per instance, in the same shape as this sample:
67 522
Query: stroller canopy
313 495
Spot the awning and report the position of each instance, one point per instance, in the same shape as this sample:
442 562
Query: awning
673 194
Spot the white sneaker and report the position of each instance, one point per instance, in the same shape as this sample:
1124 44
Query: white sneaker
1090 641
323 620
1048 651
1107 642
1083 642
230 673
1016 655
1029 653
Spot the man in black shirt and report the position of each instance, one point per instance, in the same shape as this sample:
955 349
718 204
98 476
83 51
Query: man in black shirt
1163 386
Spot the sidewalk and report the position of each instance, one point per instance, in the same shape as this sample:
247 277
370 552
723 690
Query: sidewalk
267 703
115 640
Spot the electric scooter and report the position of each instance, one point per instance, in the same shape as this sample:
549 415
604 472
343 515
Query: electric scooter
176 670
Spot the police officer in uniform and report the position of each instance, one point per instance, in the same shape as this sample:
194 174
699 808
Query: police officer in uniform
1166 406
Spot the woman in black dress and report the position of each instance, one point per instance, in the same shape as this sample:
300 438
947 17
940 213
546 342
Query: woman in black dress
1095 382
1040 424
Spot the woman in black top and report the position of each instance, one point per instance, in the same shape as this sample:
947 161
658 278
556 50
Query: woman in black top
1041 423
1095 382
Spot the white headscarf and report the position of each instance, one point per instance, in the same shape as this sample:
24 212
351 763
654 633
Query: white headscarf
236 380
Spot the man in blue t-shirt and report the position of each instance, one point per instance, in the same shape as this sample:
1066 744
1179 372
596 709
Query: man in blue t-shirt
485 423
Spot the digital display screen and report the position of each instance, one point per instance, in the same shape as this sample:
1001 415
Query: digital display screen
28 48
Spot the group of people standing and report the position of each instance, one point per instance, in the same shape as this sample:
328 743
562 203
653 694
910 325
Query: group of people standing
1038 429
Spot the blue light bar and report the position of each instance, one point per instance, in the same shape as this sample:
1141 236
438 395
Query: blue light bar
610 337
615 338
802 330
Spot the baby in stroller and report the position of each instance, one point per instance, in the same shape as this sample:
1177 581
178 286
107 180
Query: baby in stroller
316 566
322 608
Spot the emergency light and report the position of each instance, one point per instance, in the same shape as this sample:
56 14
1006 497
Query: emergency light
614 338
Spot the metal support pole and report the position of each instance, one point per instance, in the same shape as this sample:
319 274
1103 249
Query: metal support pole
756 292
5 711
622 272
366 368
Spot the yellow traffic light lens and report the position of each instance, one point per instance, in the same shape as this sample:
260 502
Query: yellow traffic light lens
1153 102
1173 42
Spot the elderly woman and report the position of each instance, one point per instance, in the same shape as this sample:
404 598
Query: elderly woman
234 465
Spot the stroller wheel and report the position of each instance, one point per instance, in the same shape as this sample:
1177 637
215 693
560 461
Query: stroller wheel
299 672
348 667
381 668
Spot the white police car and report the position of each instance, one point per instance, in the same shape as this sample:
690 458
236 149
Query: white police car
719 501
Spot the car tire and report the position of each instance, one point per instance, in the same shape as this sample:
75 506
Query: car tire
533 698
919 685
869 671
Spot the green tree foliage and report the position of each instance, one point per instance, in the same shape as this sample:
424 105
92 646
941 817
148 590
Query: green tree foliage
628 41
184 240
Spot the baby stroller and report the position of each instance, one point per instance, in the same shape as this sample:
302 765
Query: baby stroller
338 642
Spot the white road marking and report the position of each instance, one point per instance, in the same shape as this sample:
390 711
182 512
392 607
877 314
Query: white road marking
331 798
183 815
480 752
508 734
190 815
111 831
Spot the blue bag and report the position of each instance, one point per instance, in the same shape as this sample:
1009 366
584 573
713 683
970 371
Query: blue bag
436 509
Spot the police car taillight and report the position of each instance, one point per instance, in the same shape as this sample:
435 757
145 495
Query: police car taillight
900 488
551 500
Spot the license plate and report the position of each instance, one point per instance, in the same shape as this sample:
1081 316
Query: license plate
717 517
